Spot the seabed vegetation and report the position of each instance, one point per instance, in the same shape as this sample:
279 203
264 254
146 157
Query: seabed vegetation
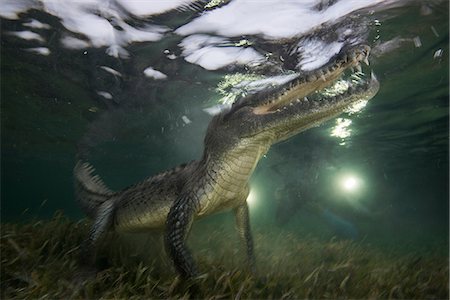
39 260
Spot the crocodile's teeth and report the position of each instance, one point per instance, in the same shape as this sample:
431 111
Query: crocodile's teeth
366 60
311 77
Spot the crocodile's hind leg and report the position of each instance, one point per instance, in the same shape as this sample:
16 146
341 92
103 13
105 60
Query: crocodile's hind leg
241 213
102 222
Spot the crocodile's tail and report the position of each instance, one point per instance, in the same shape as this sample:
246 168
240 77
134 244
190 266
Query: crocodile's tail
98 202
90 191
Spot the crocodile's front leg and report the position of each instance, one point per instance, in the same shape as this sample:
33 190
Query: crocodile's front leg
178 225
241 213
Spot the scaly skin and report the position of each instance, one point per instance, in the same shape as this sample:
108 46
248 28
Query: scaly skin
234 143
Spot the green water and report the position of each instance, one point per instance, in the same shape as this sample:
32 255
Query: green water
397 148
357 207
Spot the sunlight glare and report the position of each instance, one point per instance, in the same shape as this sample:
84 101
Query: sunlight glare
252 198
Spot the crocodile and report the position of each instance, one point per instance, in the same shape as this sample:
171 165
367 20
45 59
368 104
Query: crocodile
235 141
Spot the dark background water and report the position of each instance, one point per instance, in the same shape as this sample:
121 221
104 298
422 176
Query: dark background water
398 146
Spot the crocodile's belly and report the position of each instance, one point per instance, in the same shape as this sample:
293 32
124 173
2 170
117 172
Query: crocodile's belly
228 183
138 213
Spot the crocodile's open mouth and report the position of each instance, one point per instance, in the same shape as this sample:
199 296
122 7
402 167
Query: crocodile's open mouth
341 81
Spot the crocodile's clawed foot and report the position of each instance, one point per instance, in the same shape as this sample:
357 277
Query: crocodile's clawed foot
84 274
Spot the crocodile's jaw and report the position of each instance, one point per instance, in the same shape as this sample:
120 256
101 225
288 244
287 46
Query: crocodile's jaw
306 113
305 101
